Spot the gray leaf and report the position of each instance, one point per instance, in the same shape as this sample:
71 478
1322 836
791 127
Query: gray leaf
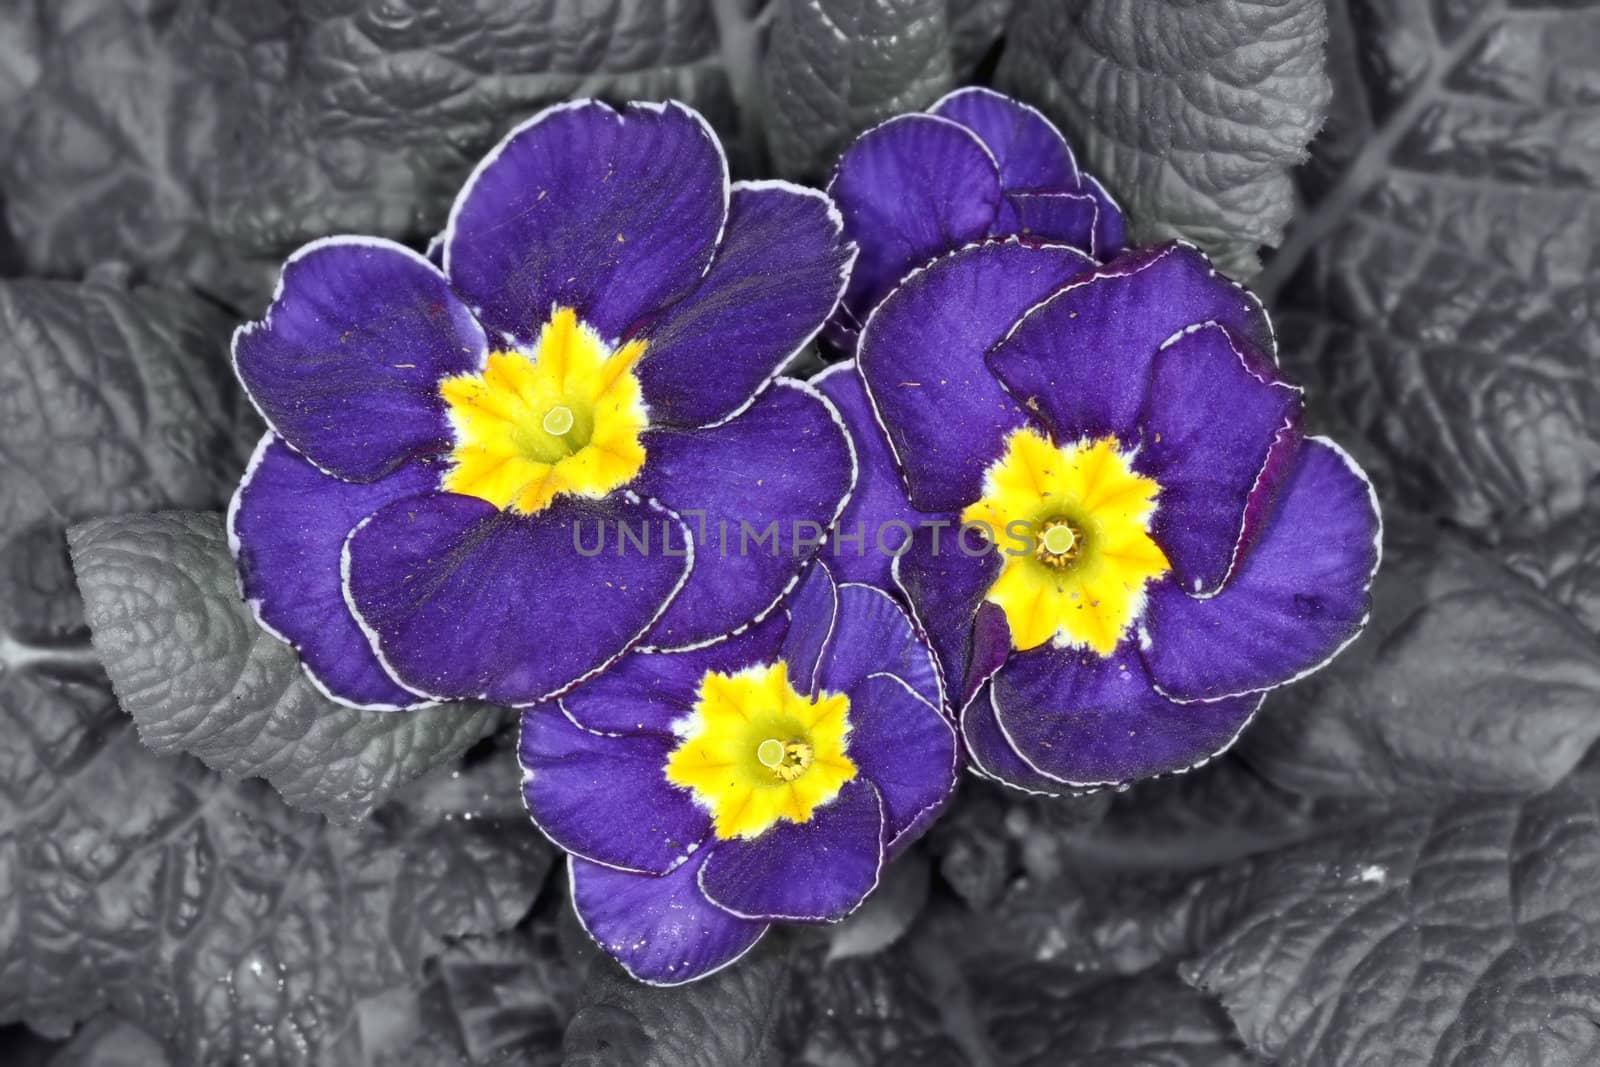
1191 112
1465 937
836 67
198 675
1441 287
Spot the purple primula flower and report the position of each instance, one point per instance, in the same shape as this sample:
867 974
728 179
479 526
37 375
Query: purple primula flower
1156 543
976 164
595 354
705 794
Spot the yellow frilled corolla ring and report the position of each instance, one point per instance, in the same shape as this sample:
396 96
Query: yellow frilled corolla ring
1074 521
564 418
755 751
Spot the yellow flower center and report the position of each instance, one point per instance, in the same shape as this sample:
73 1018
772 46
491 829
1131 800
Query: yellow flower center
564 418
1088 515
757 752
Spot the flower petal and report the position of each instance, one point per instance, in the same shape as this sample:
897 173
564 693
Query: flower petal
1215 434
945 588
614 214
922 357
286 526
1066 218
1086 720
345 365
1081 359
904 746
873 635
910 189
646 692
1110 228
878 503
813 610
1299 597
606 797
777 276
662 930
462 599
991 755
816 871
785 460
1029 149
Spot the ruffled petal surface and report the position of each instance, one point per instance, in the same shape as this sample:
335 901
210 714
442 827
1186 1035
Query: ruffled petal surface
813 609
786 459
1299 596
463 600
910 189
816 871
1063 218
1081 360
945 588
287 526
1214 434
646 692
662 930
614 214
1029 150
879 498
777 276
1110 227
991 755
873 635
1084 720
922 358
605 797
905 747
346 363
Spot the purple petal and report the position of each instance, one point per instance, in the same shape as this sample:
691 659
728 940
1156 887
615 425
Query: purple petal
606 797
463 599
878 501
1110 229
1214 434
1085 720
813 608
910 189
346 363
785 465
873 635
991 755
1029 149
903 746
287 525
777 277
1299 596
662 930
613 214
1081 359
815 871
945 588
646 692
1063 218
922 357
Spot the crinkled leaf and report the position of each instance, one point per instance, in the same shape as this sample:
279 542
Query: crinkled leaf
107 1041
1467 679
836 67
1564 561
1044 1016
729 1019
1441 286
1191 112
1464 937
976 26
225 134
112 399
191 665
211 915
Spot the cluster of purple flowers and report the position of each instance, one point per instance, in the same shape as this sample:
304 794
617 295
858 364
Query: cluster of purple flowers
1144 541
